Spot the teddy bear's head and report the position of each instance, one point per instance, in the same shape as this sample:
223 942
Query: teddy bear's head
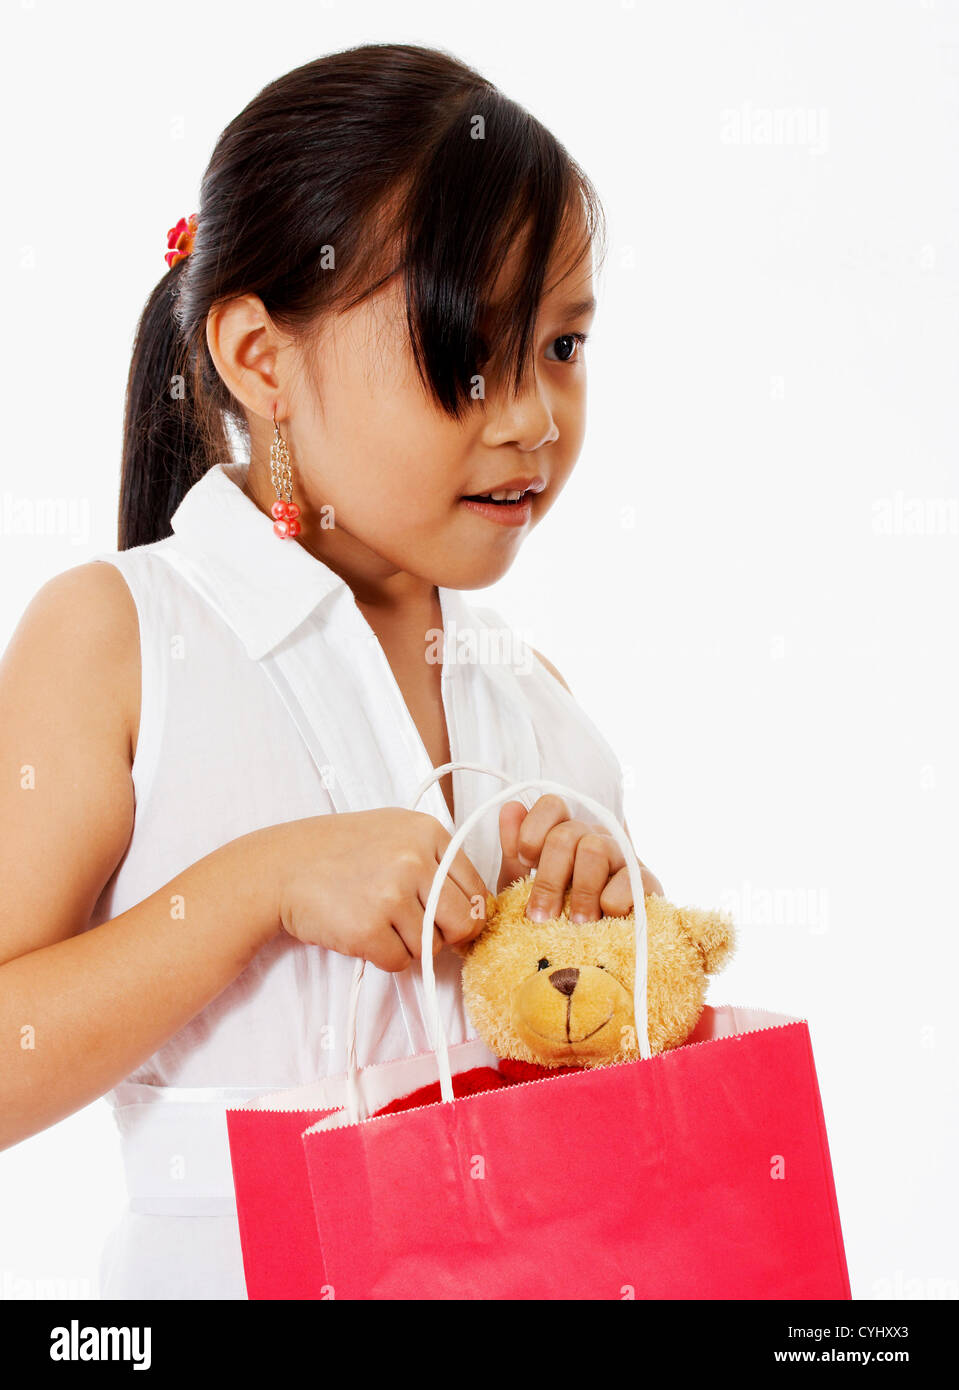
559 993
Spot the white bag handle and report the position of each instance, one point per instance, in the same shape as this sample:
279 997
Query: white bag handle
355 1106
434 1023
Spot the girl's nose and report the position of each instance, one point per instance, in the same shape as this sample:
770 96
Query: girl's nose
525 420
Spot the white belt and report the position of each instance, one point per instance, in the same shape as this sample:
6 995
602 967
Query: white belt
176 1150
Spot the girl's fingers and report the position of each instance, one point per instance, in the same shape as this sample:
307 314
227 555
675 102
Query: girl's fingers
545 814
463 876
597 857
651 884
566 854
511 817
555 869
616 899
407 921
461 907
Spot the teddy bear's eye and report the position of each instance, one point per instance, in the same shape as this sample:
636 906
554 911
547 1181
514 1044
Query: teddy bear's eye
542 964
600 967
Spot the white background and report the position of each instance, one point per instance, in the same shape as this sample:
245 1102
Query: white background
749 582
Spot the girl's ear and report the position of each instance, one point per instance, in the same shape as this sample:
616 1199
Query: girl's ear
245 345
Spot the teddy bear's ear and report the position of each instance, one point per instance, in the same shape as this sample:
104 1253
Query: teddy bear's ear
712 932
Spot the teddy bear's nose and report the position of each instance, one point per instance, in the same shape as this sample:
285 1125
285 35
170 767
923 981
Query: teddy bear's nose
564 980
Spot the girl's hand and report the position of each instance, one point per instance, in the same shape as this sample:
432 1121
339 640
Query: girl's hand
566 852
357 882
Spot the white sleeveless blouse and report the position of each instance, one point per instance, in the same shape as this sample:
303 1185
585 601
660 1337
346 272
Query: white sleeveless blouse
266 697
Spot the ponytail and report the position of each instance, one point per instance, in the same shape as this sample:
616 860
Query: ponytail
166 435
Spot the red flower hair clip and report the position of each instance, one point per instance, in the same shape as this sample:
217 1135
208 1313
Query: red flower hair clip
180 239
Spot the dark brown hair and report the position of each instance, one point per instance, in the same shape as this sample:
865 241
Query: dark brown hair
372 151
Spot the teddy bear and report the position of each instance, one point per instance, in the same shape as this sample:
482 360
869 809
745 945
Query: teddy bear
557 996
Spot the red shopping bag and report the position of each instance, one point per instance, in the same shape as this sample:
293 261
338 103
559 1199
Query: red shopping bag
703 1172
281 1257
278 1239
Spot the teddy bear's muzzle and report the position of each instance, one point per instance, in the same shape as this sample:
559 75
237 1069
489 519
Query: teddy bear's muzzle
572 1013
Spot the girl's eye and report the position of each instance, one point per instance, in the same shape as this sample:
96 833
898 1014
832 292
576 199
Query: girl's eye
567 345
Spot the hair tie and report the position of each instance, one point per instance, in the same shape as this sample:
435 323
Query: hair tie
180 239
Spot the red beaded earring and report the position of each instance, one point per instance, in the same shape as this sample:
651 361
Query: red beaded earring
284 509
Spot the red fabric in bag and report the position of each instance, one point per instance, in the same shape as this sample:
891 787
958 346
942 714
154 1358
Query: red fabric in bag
470 1083
467 1083
700 1173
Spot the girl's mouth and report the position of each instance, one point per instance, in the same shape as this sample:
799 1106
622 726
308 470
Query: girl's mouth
514 512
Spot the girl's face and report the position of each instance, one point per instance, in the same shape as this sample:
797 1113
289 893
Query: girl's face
366 440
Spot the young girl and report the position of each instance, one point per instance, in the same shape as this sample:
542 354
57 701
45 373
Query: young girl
384 295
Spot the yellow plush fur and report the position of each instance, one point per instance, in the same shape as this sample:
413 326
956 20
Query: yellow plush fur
576 1009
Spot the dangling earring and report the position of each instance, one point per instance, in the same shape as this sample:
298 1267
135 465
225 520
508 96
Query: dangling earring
284 509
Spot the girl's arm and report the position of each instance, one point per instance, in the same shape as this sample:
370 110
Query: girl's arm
78 1013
